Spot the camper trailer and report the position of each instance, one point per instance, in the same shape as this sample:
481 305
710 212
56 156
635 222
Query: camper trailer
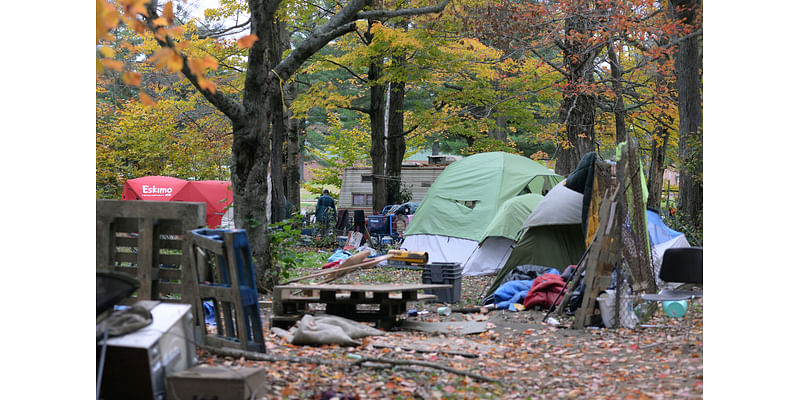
356 192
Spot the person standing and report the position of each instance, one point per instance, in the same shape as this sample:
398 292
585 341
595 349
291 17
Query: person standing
326 208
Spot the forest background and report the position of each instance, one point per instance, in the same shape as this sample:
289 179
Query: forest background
748 145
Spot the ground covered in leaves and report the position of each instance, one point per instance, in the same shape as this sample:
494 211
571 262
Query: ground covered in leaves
519 356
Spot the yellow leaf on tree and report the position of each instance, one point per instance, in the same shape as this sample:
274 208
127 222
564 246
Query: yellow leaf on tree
132 78
175 31
175 62
112 64
146 100
206 84
138 26
167 58
106 19
246 42
167 13
134 7
107 52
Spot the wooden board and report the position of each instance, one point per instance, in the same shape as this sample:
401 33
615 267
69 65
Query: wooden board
378 288
357 258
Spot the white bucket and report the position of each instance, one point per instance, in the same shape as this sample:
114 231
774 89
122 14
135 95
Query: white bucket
607 300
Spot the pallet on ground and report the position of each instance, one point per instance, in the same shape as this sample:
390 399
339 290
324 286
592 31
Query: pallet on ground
378 304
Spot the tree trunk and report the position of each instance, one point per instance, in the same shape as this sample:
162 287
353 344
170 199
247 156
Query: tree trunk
291 170
655 177
396 148
578 107
687 74
279 108
500 130
377 151
619 102
293 154
250 158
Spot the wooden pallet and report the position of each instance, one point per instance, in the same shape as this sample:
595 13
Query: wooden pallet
378 304
146 239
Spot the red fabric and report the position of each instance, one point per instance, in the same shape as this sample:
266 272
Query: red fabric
332 264
217 195
544 291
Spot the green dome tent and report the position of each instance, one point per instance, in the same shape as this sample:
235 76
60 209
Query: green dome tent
553 235
499 237
466 197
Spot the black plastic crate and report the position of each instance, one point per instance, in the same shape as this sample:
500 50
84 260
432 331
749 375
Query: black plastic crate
443 273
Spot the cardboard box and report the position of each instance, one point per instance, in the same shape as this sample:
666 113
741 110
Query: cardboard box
216 382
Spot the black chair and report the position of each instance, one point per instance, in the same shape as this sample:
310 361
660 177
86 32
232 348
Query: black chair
680 265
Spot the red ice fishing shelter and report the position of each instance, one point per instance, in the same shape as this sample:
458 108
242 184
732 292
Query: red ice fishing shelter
216 194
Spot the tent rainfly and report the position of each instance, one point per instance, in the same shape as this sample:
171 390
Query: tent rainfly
552 237
501 234
464 200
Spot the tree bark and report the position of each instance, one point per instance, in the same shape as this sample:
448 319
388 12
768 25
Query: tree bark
655 177
396 147
578 107
293 153
619 102
279 108
687 74
500 130
377 150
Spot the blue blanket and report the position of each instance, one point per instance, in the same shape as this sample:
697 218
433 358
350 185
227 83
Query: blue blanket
511 292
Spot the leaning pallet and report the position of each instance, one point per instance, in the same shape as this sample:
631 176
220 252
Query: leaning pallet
602 257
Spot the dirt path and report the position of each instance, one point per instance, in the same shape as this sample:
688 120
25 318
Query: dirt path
530 359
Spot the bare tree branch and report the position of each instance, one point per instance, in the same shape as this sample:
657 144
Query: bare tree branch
385 14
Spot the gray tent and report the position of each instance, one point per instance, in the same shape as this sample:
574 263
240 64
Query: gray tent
553 235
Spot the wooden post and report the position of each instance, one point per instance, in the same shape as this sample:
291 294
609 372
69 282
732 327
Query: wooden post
600 261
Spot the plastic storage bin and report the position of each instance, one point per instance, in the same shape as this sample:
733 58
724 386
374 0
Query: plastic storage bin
443 273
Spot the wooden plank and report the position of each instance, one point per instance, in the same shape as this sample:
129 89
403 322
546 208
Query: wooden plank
172 244
172 227
169 274
153 209
124 241
215 246
104 246
124 225
170 259
338 272
367 288
596 264
132 258
168 287
132 271
144 259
